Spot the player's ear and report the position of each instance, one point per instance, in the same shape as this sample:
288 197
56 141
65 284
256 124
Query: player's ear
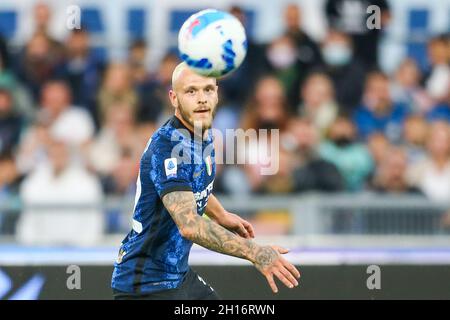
173 98
217 94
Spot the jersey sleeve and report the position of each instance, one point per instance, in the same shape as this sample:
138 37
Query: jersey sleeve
168 173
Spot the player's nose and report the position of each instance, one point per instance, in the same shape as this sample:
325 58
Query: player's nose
201 97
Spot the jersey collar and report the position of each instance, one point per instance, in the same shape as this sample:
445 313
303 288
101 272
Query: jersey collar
177 124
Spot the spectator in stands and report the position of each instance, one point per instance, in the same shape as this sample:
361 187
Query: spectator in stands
299 167
378 113
81 70
282 181
42 16
432 175
352 159
56 104
437 82
4 53
415 133
267 110
237 87
283 61
319 103
11 123
310 172
308 52
346 71
117 133
56 118
116 88
351 17
378 146
33 146
41 20
406 89
37 63
391 174
60 182
121 182
9 175
22 101
137 61
122 179
154 106
10 179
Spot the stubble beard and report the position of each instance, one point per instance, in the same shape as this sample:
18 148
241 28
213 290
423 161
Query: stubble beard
194 123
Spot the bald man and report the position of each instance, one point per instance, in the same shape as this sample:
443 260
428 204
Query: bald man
174 190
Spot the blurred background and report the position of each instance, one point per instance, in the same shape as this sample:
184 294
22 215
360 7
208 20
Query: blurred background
364 120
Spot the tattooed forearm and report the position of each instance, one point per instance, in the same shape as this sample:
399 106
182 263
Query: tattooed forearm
214 209
182 207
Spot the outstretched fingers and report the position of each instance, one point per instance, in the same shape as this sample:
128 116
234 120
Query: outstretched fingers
283 279
292 269
271 282
289 276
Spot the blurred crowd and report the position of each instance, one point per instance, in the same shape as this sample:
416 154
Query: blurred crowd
73 127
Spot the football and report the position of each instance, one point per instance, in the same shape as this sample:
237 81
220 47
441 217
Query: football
212 43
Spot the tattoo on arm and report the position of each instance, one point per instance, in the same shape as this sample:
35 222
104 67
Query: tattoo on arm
183 209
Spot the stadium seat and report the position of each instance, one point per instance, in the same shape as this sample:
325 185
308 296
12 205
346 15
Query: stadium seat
418 20
250 21
92 20
8 23
136 23
418 26
100 54
177 18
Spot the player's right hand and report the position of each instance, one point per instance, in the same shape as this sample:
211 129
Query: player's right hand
271 264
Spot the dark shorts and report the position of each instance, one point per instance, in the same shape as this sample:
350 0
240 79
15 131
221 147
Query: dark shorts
192 288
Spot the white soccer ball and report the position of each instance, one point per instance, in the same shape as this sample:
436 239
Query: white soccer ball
212 43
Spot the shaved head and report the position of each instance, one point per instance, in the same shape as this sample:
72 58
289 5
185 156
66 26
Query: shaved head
177 72
193 96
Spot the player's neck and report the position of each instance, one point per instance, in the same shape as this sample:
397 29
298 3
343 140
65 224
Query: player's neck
204 132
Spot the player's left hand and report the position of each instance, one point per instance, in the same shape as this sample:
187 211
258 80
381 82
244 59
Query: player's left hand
236 224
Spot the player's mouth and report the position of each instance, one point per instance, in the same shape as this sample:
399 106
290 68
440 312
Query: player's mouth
202 111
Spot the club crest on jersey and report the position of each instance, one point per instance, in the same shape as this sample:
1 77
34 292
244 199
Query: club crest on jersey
170 165
208 165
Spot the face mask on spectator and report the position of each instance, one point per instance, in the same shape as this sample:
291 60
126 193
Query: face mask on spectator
342 141
336 54
281 56
268 125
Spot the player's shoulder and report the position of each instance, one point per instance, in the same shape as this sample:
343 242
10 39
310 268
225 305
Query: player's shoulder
163 139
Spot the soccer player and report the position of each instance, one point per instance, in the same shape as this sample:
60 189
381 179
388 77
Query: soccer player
173 192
